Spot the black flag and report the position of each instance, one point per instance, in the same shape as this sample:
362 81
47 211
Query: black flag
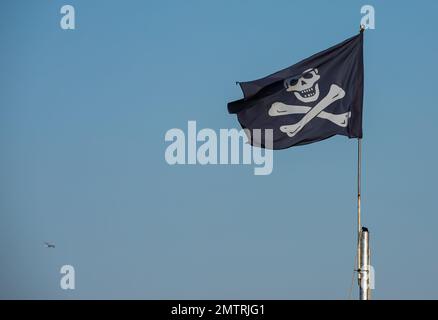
310 101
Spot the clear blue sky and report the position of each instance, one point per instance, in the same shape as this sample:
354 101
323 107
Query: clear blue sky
82 121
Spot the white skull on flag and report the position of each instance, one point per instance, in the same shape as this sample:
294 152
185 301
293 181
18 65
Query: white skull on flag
305 87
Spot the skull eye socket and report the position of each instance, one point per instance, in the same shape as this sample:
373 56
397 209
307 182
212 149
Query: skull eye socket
291 82
308 75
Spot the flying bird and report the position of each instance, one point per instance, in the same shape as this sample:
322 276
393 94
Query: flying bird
49 245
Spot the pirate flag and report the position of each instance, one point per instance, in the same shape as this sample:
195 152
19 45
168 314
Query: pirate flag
310 101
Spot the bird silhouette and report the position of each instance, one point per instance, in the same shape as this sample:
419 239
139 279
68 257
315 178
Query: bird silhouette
49 245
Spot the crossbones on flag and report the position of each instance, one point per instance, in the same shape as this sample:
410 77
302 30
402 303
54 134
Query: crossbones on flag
313 100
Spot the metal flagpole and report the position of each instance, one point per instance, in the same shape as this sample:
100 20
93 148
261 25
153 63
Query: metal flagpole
359 171
364 271
363 249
